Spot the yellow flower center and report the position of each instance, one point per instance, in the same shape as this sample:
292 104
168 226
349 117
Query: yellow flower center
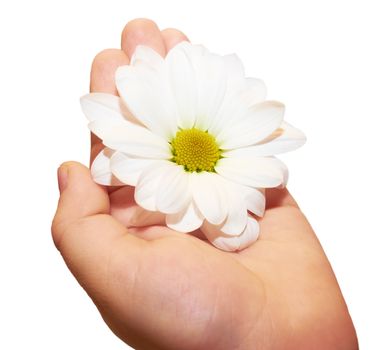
196 150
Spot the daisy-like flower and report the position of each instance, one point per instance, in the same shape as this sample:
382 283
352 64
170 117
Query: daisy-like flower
196 139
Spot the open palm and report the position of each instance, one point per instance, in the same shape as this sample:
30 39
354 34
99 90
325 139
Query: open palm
160 289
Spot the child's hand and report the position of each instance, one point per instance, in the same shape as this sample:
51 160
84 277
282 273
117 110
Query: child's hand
159 289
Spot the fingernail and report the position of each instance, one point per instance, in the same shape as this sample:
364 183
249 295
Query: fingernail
62 176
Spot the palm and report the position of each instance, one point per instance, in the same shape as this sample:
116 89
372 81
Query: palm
280 285
280 293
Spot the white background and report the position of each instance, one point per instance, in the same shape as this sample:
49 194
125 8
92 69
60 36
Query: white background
328 61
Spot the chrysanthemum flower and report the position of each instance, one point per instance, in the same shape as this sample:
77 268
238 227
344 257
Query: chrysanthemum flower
195 138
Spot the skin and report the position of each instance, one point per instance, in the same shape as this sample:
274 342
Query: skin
160 289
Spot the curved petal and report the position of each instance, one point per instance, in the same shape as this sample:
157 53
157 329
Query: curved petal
210 196
232 243
173 193
131 139
101 171
260 121
128 169
147 95
253 172
147 186
254 92
145 55
237 214
235 68
192 50
188 220
254 199
240 96
102 106
285 139
183 85
285 173
211 75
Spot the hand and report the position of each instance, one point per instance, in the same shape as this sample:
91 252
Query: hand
160 289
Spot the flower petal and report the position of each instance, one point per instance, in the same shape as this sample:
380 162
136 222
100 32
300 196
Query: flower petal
254 92
235 68
194 52
237 214
285 139
183 85
147 186
285 173
210 196
232 243
145 55
131 139
254 172
128 169
102 106
147 95
240 96
211 75
260 121
188 220
101 171
173 193
254 199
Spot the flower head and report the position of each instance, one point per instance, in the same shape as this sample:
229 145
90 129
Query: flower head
196 138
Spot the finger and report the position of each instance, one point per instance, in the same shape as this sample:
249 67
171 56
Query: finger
279 197
172 37
283 220
103 70
142 32
82 230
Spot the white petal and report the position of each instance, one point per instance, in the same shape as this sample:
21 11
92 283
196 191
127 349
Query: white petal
254 172
147 187
147 95
187 220
102 106
285 173
210 196
131 139
254 199
194 51
285 139
173 193
128 169
260 121
240 96
235 68
101 171
183 85
237 215
232 243
212 75
145 55
254 92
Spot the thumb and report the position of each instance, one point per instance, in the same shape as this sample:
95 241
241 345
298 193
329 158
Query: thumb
80 198
82 230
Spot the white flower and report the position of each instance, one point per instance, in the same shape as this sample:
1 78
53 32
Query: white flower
196 139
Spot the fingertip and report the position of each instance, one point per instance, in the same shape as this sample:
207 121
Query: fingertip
172 37
103 70
142 31
80 197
